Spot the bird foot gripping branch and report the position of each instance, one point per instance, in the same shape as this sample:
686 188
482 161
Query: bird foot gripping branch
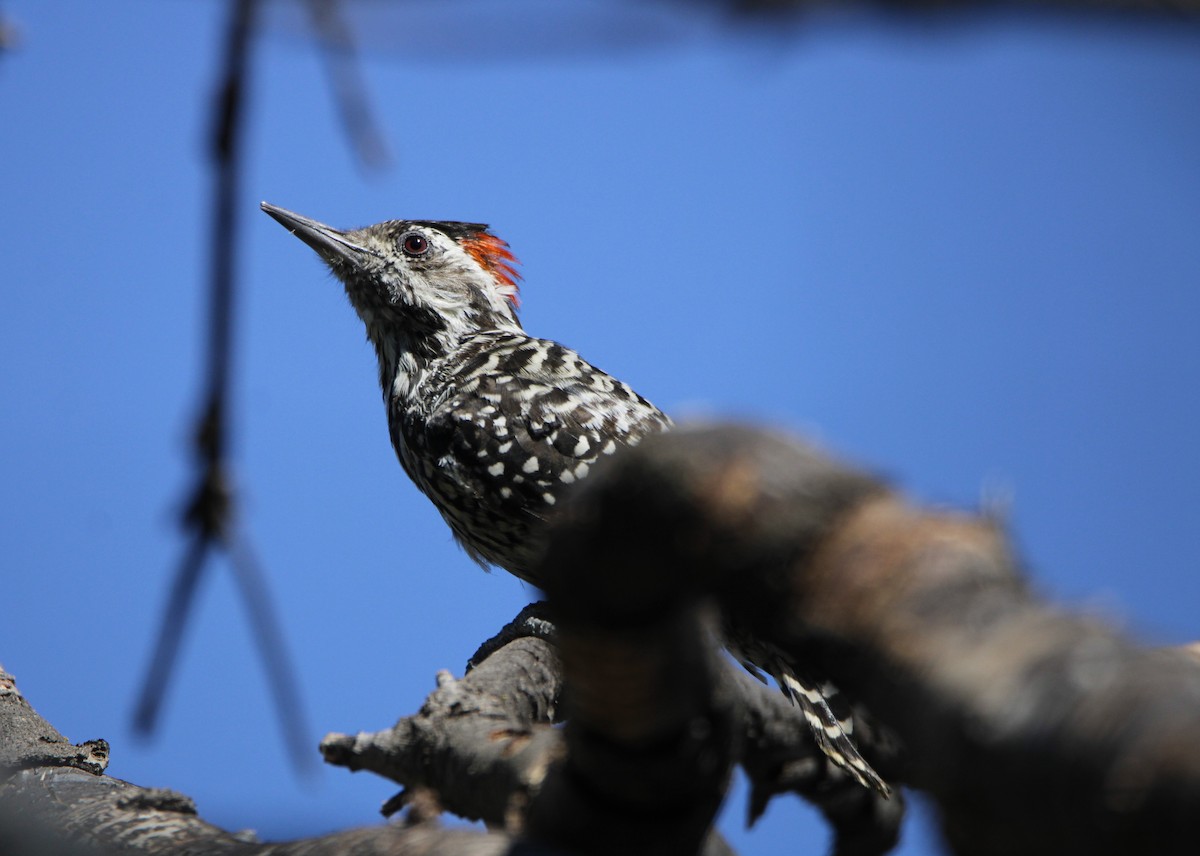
495 426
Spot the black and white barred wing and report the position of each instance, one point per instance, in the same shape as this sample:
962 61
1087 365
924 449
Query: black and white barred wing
521 422
825 709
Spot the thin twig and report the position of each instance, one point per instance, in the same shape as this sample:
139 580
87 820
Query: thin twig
166 650
349 90
210 510
268 633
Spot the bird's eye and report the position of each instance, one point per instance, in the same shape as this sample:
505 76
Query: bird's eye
414 244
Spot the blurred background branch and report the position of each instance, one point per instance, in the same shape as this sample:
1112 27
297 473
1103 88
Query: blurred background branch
210 514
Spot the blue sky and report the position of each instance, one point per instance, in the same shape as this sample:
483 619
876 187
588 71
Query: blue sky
961 252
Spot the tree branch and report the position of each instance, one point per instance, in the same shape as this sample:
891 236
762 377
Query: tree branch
1035 731
55 799
478 743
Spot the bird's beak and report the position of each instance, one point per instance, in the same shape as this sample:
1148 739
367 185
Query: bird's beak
330 243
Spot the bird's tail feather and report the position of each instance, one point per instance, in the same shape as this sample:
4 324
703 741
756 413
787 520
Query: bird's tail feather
831 732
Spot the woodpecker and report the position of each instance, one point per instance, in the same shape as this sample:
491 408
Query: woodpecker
495 426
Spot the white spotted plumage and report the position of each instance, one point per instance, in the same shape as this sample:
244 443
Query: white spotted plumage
493 425
502 465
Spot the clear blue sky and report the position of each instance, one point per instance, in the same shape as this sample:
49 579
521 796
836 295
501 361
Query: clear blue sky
965 254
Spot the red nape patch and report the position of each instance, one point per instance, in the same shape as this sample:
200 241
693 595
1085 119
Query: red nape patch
495 257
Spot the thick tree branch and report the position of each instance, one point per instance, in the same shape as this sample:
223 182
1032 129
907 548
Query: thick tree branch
478 744
1035 731
54 799
638 781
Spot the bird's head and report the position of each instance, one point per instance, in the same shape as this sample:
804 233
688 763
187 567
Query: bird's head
423 280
